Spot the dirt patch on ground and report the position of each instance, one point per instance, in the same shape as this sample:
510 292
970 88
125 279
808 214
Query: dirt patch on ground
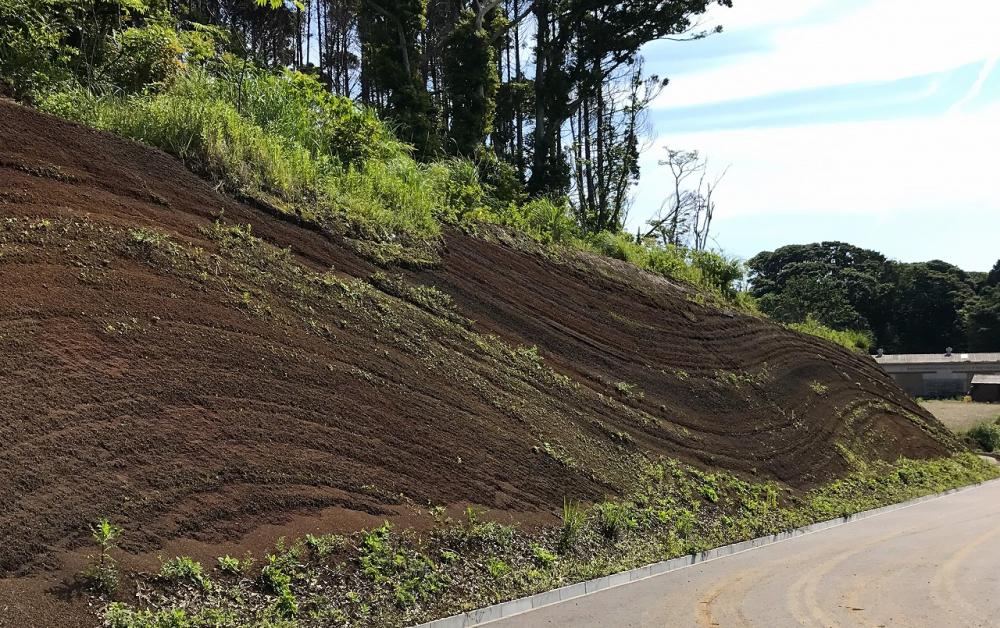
162 368
959 416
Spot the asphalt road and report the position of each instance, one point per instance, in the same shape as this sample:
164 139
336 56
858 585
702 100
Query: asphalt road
935 564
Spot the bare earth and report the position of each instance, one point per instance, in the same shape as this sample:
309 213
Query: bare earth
929 565
959 416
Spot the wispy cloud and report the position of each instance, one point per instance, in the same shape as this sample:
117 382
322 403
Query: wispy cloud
835 114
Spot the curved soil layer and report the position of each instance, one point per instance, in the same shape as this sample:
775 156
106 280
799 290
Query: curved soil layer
195 385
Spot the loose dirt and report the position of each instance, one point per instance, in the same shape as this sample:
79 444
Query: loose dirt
195 396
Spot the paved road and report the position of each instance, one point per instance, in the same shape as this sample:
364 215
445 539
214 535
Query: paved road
933 565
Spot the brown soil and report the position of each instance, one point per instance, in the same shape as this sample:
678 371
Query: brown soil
209 406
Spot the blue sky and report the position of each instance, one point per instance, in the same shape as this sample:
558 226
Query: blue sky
875 122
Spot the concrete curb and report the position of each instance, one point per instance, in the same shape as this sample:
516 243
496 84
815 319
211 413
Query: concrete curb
581 589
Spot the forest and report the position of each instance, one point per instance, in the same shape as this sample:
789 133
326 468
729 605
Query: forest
901 308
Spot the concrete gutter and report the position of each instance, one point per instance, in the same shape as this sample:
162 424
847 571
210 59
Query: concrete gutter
580 589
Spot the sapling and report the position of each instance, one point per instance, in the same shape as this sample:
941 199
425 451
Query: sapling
103 574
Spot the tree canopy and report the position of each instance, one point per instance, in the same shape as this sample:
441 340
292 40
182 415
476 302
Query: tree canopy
908 308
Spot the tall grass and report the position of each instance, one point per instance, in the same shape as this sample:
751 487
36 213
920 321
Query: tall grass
324 156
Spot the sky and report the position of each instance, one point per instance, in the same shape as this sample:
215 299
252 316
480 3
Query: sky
875 122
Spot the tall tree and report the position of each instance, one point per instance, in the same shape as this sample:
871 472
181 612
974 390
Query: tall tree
579 44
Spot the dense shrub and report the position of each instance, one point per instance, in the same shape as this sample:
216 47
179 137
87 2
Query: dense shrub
32 52
145 56
986 436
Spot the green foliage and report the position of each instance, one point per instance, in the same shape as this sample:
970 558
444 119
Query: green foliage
710 271
102 574
497 568
904 308
33 54
234 566
858 341
185 569
409 574
324 545
574 517
614 519
986 436
392 582
145 55
818 387
471 81
543 557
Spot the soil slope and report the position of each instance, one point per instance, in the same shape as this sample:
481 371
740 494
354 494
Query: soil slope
163 368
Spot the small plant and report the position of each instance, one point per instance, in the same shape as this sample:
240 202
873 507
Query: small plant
325 544
627 390
498 568
818 387
543 557
274 579
185 569
102 575
230 565
574 516
613 519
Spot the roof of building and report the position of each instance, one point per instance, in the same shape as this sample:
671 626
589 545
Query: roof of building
986 379
937 358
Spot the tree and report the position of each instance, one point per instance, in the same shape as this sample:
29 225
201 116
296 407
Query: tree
471 76
604 154
982 320
685 217
578 45
840 285
390 36
928 303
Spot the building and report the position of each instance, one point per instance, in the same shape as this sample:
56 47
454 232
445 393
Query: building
937 375
986 388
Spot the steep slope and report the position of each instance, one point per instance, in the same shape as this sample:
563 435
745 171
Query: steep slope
162 365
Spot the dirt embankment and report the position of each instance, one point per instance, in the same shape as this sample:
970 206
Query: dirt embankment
199 386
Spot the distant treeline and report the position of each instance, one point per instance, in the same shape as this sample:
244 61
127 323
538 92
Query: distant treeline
906 308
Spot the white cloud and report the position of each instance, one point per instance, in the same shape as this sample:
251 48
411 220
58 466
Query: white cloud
881 40
881 167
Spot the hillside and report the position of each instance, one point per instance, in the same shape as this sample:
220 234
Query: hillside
196 379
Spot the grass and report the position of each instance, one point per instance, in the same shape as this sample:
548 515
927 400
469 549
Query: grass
859 342
961 416
389 577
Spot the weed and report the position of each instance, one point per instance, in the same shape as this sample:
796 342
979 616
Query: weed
102 574
325 544
613 519
542 557
628 390
818 387
574 517
497 568
233 566
185 569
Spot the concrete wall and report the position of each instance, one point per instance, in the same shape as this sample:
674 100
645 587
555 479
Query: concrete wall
937 380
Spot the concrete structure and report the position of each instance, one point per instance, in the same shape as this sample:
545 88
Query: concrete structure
986 388
936 375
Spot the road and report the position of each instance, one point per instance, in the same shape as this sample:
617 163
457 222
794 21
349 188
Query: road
935 564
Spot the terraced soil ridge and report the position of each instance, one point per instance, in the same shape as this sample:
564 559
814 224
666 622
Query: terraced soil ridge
162 364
